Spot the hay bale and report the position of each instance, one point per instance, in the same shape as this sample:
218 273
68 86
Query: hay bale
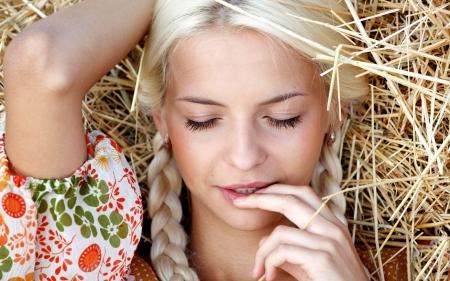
396 148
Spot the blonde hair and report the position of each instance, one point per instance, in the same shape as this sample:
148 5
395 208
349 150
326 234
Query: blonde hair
174 21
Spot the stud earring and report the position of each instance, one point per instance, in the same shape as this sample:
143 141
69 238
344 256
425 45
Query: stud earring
331 137
167 143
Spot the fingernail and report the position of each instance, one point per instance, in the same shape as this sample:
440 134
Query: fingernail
254 272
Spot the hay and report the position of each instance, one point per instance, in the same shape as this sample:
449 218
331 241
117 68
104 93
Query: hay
395 152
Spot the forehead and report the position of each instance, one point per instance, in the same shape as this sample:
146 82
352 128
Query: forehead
238 60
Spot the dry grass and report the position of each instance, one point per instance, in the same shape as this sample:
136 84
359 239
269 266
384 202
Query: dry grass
395 153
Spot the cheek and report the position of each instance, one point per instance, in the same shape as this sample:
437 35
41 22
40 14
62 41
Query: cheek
302 152
191 156
184 152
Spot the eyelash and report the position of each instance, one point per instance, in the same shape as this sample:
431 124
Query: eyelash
200 126
287 123
277 124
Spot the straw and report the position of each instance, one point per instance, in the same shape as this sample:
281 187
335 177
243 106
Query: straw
396 145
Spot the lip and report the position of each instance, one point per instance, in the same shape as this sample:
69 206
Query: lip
256 184
230 195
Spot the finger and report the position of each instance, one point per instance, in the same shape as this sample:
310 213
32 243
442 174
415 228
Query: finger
297 261
305 193
293 208
310 197
263 240
296 237
309 264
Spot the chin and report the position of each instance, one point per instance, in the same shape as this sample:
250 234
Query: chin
254 220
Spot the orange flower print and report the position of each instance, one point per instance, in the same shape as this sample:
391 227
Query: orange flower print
101 159
115 144
90 148
116 156
4 181
111 141
14 205
28 277
19 181
90 258
4 231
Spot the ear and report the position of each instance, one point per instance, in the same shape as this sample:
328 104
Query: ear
345 107
160 123
336 118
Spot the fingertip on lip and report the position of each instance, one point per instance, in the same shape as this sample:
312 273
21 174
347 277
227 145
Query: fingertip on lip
261 190
239 199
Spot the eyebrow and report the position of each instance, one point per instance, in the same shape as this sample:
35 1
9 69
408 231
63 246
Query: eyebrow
283 97
200 101
273 100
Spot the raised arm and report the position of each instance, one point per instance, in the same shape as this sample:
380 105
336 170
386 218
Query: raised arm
47 70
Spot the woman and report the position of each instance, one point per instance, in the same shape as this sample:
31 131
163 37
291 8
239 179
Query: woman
242 109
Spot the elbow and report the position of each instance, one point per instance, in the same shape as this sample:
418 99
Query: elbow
32 61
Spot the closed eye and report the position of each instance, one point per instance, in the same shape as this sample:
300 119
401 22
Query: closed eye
287 123
201 126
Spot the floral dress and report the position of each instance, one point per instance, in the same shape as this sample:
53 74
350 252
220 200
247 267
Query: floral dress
83 227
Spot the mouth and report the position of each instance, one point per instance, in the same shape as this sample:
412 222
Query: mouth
247 190
231 192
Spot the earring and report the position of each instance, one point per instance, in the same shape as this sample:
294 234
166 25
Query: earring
167 143
331 137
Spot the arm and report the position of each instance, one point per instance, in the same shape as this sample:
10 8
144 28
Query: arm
47 70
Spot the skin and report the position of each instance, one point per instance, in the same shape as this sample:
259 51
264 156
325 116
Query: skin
46 78
227 88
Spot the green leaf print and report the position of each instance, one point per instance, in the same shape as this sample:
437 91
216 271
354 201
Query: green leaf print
71 195
85 231
60 188
123 230
65 219
115 218
104 233
113 228
103 220
3 253
92 201
6 265
5 261
84 189
52 208
114 241
57 210
75 181
104 190
86 220
92 181
71 202
60 208
95 194
43 206
39 194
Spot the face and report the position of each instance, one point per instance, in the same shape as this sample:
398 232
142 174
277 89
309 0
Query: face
242 113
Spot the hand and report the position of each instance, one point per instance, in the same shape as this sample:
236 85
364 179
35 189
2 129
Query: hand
322 251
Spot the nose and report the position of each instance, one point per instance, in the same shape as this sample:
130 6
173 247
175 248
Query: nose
245 148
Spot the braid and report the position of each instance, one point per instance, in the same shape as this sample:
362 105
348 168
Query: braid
168 236
328 177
